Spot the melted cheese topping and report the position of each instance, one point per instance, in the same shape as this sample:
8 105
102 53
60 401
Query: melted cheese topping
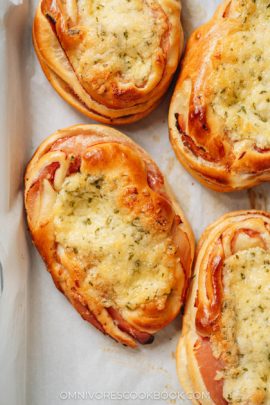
123 258
246 327
241 76
122 37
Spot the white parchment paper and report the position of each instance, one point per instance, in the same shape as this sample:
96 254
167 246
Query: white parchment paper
48 354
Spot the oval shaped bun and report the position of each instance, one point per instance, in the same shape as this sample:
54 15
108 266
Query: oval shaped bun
114 60
109 230
209 344
218 118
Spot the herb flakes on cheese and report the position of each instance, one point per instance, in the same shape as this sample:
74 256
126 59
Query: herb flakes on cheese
122 37
246 327
122 255
241 75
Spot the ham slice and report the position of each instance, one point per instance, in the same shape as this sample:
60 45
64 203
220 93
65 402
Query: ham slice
209 366
142 337
255 237
48 172
87 315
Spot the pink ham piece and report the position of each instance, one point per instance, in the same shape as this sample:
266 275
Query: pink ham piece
209 366
142 337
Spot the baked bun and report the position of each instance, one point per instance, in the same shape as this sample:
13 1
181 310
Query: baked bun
109 230
112 60
219 116
223 356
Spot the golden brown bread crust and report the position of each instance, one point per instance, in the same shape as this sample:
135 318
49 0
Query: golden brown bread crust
108 96
200 136
232 233
92 150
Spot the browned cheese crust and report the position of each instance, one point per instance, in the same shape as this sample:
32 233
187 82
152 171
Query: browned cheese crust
208 351
112 60
109 230
219 113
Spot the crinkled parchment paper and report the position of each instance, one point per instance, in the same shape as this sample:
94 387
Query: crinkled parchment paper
48 354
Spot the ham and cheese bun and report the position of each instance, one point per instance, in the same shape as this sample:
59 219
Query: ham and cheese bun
109 230
220 113
223 356
113 60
